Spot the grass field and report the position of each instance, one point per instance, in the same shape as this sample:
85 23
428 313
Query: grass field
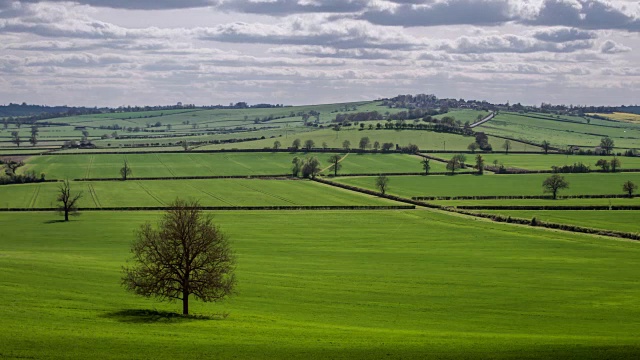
617 220
222 192
426 140
461 290
541 127
466 185
545 162
541 202
218 164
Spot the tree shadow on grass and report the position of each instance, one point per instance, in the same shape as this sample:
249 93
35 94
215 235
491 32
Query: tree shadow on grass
146 316
54 221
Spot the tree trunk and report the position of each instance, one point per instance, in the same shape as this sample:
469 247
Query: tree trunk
66 215
555 193
185 303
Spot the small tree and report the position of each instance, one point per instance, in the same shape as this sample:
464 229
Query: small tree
309 144
426 165
554 183
456 162
473 147
480 164
296 144
545 146
506 146
334 160
297 166
325 146
185 145
376 145
615 164
125 171
629 187
186 255
604 164
346 145
606 143
276 145
364 143
15 138
34 135
310 168
382 183
67 202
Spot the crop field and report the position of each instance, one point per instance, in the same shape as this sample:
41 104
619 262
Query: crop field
211 164
562 133
218 192
619 116
462 289
490 185
545 162
617 220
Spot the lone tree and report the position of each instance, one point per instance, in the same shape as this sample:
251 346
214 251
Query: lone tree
480 164
456 162
382 183
186 255
376 145
185 145
426 165
334 160
125 171
309 144
365 143
276 145
346 145
15 138
545 146
629 187
506 146
554 183
473 147
615 164
67 202
295 145
606 144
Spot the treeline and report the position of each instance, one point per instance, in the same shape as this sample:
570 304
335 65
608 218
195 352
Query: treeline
13 178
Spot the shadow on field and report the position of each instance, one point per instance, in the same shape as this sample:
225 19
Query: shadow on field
145 316
54 221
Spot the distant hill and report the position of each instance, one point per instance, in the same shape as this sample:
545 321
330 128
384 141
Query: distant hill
630 109
24 110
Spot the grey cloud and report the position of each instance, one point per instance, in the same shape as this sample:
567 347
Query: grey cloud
585 14
286 7
561 35
77 60
611 47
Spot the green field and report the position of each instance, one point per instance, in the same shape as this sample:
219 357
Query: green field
445 287
541 127
219 192
212 164
495 185
545 162
541 202
617 220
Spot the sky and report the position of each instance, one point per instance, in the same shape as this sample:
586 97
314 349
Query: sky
294 52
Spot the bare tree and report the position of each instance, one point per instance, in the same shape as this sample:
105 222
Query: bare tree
554 183
67 201
335 163
186 255
629 187
382 183
125 171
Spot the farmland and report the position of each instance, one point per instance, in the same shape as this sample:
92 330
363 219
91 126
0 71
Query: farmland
322 295
537 162
607 220
619 116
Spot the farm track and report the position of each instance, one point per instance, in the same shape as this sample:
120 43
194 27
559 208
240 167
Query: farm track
150 193
268 194
329 167
94 196
87 174
34 197
211 195
165 165
201 163
226 157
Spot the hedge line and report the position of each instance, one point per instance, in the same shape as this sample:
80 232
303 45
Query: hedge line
549 225
407 174
192 177
328 151
155 208
549 207
519 197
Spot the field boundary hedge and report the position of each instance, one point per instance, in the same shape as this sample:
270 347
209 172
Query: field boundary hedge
548 207
286 177
244 208
405 174
519 197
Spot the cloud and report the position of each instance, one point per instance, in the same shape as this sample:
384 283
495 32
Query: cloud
585 14
611 47
561 35
510 44
287 7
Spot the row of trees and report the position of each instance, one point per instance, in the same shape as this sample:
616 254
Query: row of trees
364 144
